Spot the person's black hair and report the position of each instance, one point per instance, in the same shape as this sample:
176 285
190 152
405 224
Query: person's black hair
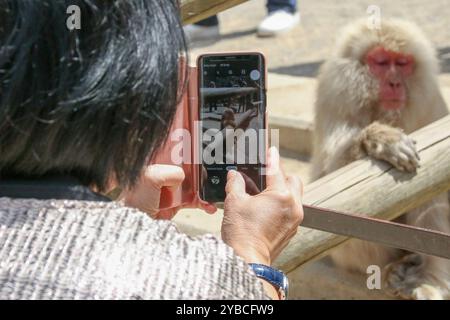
93 103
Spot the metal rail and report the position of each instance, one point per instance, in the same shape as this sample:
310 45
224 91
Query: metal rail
376 230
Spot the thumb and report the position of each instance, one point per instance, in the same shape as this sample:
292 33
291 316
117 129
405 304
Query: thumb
235 183
162 175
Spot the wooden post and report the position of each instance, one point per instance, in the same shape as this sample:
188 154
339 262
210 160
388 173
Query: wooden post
196 10
375 189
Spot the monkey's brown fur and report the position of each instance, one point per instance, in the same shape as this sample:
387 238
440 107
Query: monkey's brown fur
350 124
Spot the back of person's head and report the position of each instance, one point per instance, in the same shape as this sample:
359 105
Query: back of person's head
93 103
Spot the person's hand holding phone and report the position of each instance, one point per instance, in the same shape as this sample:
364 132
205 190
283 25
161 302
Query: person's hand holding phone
259 227
146 195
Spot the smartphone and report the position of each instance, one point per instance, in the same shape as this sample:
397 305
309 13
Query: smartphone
233 122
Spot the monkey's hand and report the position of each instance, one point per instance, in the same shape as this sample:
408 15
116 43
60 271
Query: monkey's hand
390 144
411 278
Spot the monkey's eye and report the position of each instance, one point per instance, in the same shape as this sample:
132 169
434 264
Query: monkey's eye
402 62
382 62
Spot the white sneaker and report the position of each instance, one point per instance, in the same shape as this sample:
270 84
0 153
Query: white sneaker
278 22
195 33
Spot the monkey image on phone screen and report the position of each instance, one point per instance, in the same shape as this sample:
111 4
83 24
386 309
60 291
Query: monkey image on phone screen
232 117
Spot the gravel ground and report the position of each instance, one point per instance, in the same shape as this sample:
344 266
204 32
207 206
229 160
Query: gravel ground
300 51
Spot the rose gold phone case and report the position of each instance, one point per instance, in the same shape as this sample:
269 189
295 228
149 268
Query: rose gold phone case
186 115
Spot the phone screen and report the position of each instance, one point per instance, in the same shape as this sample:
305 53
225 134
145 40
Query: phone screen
232 117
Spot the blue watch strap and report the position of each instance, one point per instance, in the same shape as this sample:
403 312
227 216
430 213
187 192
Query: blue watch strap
275 277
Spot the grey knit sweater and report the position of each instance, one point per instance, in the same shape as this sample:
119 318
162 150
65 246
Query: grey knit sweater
61 249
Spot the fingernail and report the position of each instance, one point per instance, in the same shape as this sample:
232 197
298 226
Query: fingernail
231 174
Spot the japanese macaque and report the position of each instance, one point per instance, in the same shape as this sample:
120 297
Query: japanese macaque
228 119
380 85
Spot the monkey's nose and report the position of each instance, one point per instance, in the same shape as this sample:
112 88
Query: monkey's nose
394 84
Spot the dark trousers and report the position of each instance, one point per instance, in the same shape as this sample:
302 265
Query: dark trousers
208 22
272 5
287 5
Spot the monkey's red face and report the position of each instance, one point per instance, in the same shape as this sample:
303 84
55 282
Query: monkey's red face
391 69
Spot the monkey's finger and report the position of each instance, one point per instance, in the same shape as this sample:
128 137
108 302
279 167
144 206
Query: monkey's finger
410 153
416 164
404 162
415 159
403 157
412 143
417 154
408 141
406 159
395 163
410 167
409 146
409 163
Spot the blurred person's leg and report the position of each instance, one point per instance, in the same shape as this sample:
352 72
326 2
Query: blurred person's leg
286 5
204 30
282 16
208 22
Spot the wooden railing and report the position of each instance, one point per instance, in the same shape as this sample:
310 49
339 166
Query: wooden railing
375 189
196 10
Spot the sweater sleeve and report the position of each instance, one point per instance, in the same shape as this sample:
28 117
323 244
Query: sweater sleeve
168 264
209 269
92 250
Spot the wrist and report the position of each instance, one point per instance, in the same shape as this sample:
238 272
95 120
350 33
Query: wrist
252 255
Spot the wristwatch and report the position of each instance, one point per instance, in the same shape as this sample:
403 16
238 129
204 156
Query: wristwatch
275 277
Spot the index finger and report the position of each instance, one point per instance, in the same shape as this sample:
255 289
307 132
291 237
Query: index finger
161 175
275 178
